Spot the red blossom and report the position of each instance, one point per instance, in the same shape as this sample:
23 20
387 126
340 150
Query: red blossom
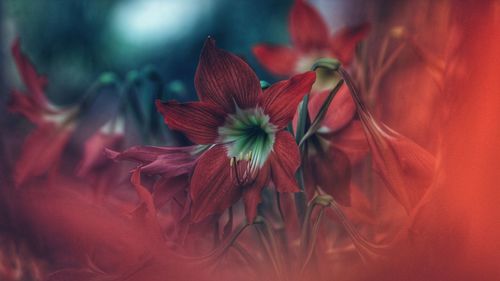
54 125
311 40
245 127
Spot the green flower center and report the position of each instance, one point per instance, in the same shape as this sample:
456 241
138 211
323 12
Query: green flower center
249 136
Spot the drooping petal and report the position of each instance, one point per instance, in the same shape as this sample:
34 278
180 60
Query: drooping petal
252 193
197 120
35 83
343 43
339 113
280 101
25 105
284 160
223 79
308 30
41 152
279 60
212 187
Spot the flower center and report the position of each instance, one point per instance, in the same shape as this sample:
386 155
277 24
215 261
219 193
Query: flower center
249 136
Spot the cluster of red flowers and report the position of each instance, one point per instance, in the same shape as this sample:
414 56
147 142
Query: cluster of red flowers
282 154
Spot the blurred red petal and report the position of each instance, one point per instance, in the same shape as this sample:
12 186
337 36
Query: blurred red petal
279 60
343 42
307 28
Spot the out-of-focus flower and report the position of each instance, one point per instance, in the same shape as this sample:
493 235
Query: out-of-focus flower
42 149
95 166
334 148
245 127
406 168
311 40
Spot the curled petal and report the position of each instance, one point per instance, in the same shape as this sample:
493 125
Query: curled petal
307 28
281 100
197 120
279 60
223 79
343 43
212 187
285 160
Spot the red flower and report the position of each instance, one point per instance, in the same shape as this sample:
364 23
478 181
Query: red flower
54 125
245 128
311 40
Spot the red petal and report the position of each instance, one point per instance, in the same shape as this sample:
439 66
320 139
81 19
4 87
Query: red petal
343 43
212 187
167 161
307 28
197 120
252 194
223 79
280 100
339 113
41 152
279 60
34 82
285 160
25 105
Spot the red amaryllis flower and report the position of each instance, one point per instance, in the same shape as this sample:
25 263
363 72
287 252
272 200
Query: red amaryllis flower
54 125
311 40
245 128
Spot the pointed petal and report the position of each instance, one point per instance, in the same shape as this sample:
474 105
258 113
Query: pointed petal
280 100
93 154
197 120
285 160
340 112
343 43
252 193
223 79
308 30
212 187
34 82
279 60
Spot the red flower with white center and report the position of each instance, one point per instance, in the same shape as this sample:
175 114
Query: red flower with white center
245 128
42 149
311 40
